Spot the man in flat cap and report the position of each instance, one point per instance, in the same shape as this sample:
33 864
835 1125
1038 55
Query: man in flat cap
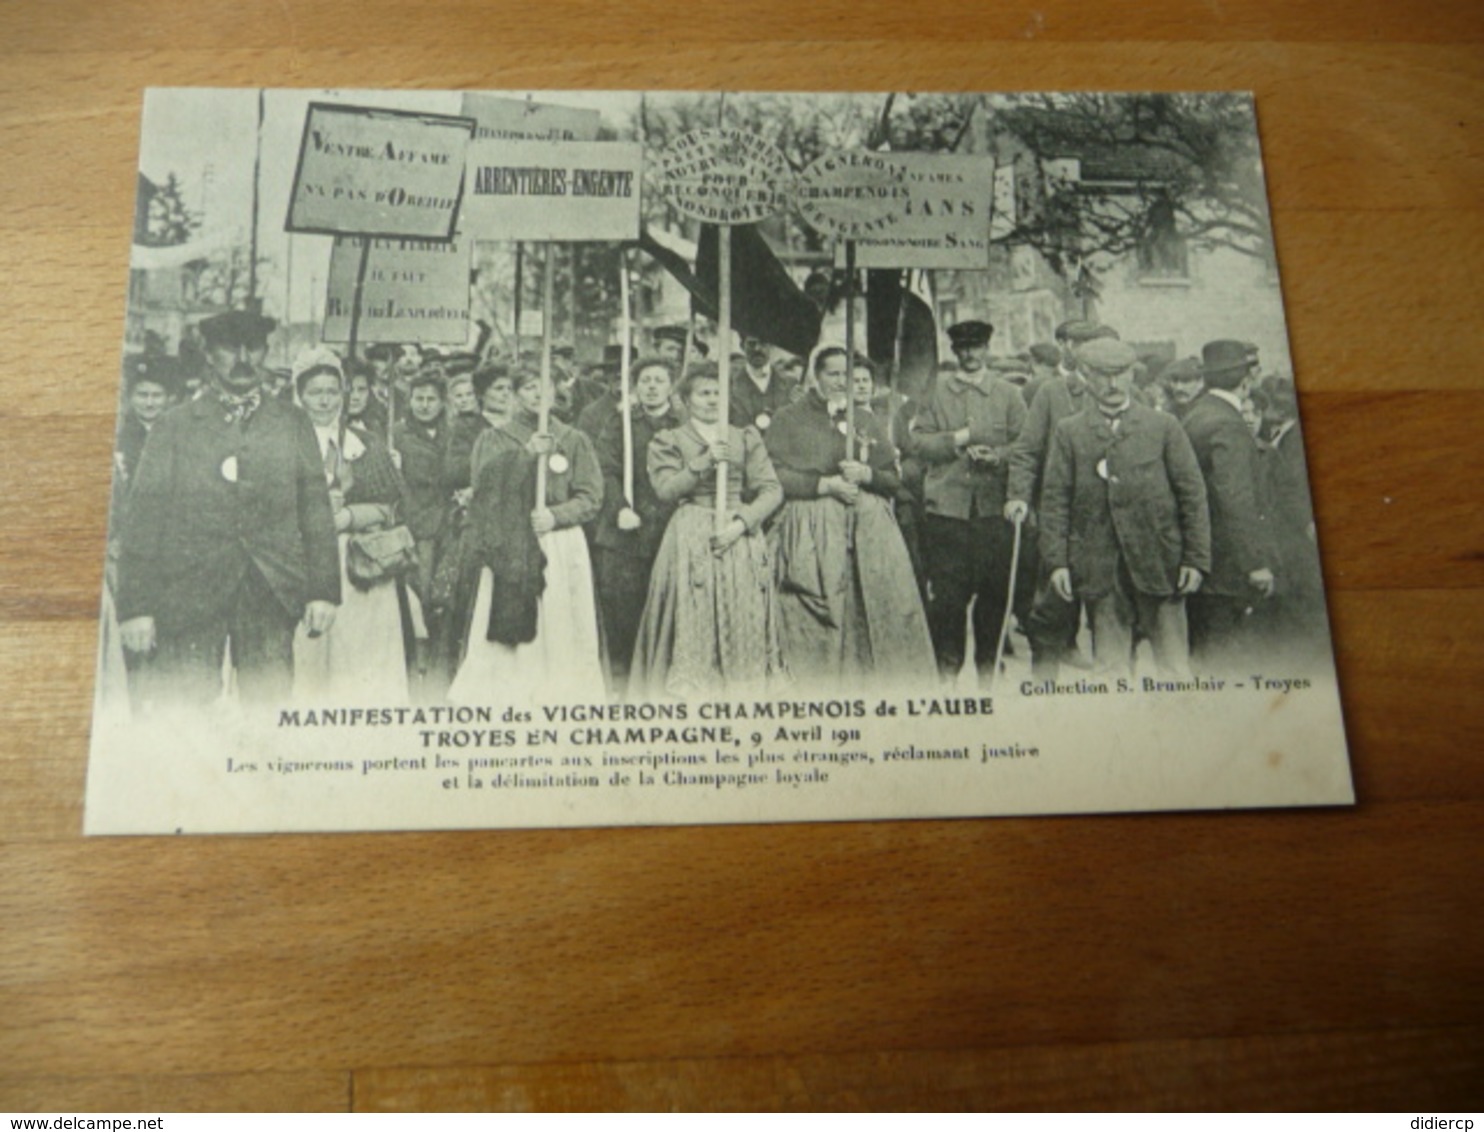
1241 554
1183 382
1124 524
962 435
1053 621
229 536
1073 334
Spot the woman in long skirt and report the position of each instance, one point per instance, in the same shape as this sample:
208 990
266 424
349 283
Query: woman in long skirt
710 624
848 601
362 658
534 632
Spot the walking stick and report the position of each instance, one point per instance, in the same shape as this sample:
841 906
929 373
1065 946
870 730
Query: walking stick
999 652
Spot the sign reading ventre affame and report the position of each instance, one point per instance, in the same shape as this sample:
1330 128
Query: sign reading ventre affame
441 525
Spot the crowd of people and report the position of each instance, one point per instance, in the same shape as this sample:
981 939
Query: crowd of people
423 527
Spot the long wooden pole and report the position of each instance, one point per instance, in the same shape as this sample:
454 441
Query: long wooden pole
624 395
724 346
519 287
543 424
252 254
850 349
355 298
904 284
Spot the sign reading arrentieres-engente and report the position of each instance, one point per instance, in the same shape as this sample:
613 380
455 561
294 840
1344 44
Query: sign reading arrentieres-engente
414 291
726 176
538 190
369 172
944 214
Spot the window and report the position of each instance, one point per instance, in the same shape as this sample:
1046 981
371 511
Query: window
1162 253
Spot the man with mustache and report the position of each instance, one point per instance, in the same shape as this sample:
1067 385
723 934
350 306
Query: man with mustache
963 435
1125 527
229 536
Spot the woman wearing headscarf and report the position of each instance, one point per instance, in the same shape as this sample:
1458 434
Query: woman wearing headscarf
362 657
710 624
848 601
534 626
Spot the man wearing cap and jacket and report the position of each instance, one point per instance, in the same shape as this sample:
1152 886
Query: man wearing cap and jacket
1124 524
757 393
1052 623
1241 555
229 535
963 436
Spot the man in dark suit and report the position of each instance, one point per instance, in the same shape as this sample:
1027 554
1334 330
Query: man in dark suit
1124 525
1184 382
229 534
757 393
1241 557
1051 623
962 435
1294 618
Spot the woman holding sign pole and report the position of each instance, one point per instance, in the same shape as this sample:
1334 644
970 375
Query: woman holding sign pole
535 623
627 535
710 623
848 601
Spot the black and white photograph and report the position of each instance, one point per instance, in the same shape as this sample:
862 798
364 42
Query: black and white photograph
524 459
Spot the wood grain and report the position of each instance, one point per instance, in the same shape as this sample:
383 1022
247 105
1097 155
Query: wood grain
635 944
1306 959
1344 126
1327 1071
221 1092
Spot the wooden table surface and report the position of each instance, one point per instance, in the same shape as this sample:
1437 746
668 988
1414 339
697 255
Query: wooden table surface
1328 959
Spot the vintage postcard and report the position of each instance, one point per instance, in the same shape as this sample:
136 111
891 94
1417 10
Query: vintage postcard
511 459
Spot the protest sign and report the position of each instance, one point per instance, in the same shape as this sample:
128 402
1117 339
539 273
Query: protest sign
945 214
370 172
533 190
414 291
726 176
852 195
515 119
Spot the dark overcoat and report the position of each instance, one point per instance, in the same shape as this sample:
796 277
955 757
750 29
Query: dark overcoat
1228 458
1149 508
214 498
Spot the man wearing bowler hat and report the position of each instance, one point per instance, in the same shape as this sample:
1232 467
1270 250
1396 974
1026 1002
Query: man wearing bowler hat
669 342
1241 555
963 436
1124 524
229 538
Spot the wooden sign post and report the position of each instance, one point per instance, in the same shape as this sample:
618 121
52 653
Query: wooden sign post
543 423
725 177
553 192
625 330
